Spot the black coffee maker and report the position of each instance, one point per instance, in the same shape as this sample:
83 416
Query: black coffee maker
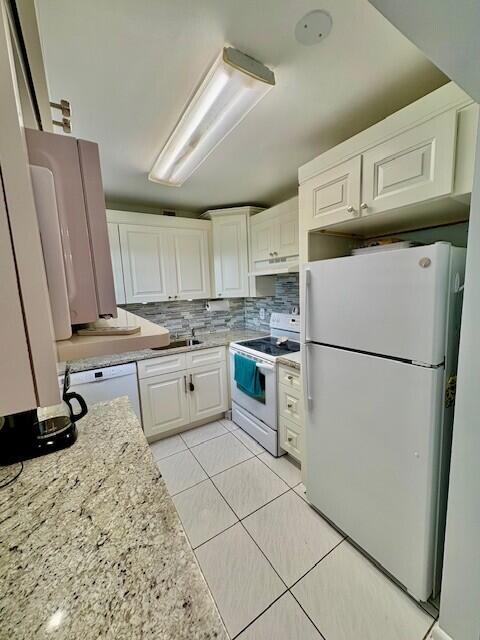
39 431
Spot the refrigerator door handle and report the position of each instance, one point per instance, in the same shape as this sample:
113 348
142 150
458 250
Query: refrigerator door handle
304 314
307 377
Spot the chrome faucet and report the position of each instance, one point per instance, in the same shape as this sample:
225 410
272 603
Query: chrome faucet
193 333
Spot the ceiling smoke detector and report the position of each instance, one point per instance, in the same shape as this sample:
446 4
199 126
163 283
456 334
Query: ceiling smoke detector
313 27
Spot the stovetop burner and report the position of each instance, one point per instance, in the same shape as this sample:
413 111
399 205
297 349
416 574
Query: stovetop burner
269 346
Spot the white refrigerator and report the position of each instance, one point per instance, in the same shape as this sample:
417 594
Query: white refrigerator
380 346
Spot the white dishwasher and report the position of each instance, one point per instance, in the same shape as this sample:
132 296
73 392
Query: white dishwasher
101 385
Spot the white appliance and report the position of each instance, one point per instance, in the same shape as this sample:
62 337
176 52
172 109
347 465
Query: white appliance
259 418
380 345
101 385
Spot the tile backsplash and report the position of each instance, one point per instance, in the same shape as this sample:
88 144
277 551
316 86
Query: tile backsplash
287 296
183 316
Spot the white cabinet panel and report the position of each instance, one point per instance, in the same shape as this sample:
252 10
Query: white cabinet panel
146 259
230 256
263 239
414 166
333 196
191 263
164 403
287 234
202 357
209 396
163 364
115 252
291 438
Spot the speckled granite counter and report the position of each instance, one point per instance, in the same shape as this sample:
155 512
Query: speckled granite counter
292 360
217 339
91 546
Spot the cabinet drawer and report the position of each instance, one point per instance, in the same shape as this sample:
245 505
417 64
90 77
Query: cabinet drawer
205 356
291 438
289 377
165 364
290 404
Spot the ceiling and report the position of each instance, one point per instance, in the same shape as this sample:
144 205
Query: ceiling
129 69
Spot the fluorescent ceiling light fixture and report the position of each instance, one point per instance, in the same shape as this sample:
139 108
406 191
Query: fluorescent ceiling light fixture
231 88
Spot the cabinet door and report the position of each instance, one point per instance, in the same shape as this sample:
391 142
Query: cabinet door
114 241
191 261
414 166
263 238
164 403
209 396
146 258
333 196
287 234
230 254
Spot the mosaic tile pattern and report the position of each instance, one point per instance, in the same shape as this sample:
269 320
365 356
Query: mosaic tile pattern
182 316
287 295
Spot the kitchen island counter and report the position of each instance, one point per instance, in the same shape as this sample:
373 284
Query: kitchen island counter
91 545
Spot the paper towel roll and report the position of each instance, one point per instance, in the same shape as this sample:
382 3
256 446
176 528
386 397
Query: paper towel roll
217 305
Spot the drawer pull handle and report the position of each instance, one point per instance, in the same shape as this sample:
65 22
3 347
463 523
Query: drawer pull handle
289 405
290 378
289 438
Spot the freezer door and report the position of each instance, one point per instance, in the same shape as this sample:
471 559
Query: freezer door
372 451
393 303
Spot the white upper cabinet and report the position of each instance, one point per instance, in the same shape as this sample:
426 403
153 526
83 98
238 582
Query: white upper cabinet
191 262
287 232
415 166
274 238
230 255
421 155
117 268
160 258
263 234
146 257
334 195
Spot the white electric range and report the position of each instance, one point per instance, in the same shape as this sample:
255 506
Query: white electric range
259 418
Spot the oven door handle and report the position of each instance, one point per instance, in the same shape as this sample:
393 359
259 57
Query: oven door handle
265 367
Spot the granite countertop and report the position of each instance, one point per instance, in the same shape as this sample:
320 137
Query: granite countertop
216 339
293 360
91 545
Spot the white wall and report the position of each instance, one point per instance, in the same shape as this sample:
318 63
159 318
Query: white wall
447 31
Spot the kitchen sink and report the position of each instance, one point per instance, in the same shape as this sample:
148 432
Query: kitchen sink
186 342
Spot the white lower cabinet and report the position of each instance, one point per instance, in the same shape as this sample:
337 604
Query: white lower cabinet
209 396
187 396
290 410
164 403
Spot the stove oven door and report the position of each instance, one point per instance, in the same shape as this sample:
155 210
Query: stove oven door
265 411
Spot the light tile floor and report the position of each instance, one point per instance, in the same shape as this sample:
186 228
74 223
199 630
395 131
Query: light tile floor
275 567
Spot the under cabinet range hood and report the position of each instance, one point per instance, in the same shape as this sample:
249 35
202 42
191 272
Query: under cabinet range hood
232 87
